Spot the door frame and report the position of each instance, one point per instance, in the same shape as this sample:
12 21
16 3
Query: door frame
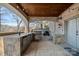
66 28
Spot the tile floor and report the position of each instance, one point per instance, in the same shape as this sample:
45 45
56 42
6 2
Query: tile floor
45 48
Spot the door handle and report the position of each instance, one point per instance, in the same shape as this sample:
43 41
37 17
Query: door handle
76 33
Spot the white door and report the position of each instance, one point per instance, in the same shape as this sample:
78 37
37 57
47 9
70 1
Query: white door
71 36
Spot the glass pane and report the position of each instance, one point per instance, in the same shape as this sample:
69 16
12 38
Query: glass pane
10 22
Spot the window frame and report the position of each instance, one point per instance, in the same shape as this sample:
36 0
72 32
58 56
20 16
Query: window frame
18 24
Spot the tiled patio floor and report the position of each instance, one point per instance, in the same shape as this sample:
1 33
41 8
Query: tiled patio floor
45 48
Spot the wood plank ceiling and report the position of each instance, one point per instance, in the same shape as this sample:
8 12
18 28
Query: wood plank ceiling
44 9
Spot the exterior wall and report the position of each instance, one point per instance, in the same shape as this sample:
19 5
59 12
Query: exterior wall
59 29
54 27
66 15
59 34
70 12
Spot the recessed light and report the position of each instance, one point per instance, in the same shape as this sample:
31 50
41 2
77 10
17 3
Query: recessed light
17 6
23 9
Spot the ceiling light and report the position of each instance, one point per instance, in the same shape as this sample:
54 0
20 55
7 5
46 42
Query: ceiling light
17 6
23 9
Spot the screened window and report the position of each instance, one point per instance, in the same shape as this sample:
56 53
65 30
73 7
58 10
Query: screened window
21 27
10 22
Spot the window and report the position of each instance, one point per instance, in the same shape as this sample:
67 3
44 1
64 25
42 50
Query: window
45 25
36 25
10 22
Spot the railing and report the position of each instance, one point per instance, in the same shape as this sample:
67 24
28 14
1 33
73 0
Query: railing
9 33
